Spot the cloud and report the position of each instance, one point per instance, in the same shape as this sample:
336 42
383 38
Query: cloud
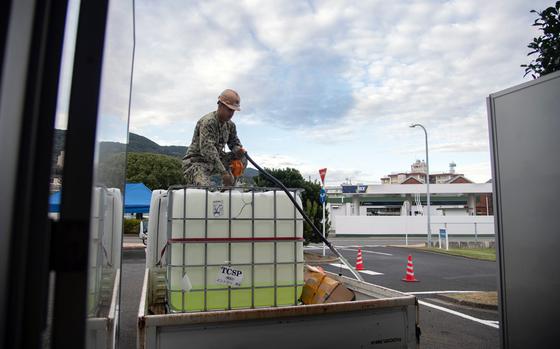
333 71
335 175
478 172
324 61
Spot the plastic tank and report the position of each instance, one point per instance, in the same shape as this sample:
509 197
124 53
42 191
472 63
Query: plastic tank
157 228
259 234
104 245
112 236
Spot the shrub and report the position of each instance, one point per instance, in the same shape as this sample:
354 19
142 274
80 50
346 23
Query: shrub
131 226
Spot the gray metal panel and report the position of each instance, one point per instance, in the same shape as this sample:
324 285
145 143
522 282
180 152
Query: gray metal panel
524 129
380 328
12 94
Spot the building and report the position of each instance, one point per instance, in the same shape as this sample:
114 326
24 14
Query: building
404 194
446 199
417 175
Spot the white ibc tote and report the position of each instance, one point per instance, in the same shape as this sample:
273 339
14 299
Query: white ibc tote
231 249
157 227
105 245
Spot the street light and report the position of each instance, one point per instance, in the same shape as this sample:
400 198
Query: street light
427 183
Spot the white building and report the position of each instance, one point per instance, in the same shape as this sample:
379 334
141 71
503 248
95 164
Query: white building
457 199
396 209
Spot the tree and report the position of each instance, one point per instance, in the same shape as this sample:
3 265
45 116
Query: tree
111 169
154 170
547 46
292 178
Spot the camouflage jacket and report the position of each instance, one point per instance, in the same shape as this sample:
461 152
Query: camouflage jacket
209 140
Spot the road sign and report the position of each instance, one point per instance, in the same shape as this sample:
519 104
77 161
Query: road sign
323 173
442 233
322 196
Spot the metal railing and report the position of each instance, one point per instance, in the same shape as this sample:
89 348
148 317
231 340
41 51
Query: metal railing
474 230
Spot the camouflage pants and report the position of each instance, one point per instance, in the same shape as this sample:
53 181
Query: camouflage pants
199 173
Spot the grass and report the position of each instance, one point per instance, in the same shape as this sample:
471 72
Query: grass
485 254
486 298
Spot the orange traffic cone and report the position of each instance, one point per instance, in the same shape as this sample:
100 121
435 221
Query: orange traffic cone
359 261
409 271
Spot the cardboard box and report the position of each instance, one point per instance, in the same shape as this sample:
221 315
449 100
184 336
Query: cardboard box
312 282
341 294
319 288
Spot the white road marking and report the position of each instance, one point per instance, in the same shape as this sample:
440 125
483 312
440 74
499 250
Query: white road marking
366 251
368 272
491 323
440 292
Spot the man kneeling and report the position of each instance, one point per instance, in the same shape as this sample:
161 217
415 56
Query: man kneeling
206 155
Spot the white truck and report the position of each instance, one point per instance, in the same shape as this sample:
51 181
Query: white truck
255 231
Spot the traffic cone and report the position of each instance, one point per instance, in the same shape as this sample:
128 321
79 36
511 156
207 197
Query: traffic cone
359 261
409 271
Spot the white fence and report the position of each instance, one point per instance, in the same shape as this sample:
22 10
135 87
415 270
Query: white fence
413 225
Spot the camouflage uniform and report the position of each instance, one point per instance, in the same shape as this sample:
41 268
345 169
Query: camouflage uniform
206 155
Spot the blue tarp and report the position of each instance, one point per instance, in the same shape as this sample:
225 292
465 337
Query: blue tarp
137 199
54 202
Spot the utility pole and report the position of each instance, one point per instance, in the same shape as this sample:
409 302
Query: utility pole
323 198
427 183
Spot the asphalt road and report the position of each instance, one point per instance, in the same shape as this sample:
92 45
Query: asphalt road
443 324
447 326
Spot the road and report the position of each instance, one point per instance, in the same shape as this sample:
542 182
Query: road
443 325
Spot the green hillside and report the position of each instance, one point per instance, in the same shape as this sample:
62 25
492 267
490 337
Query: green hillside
137 144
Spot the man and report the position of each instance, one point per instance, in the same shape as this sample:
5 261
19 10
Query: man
206 155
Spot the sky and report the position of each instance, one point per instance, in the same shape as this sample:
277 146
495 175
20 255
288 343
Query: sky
332 84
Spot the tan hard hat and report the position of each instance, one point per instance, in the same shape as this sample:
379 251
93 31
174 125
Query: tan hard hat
231 99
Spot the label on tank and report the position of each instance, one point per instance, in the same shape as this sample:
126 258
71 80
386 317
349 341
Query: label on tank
218 208
229 276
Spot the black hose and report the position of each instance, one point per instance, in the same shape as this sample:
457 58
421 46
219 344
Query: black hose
298 207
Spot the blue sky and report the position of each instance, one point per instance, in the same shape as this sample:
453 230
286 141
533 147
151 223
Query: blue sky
333 83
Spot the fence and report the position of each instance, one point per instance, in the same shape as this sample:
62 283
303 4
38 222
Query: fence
413 225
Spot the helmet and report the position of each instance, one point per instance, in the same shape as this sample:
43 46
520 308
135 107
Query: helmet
230 99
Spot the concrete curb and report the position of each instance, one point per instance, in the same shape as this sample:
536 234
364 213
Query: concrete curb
447 254
133 246
467 303
408 246
315 258
322 261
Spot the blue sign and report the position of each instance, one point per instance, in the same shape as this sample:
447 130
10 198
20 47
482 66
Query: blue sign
442 233
322 196
349 189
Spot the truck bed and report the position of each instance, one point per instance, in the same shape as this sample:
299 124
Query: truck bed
379 318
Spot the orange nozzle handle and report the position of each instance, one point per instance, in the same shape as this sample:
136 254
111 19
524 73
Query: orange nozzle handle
236 168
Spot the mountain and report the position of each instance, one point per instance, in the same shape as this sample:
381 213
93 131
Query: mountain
250 172
141 144
136 144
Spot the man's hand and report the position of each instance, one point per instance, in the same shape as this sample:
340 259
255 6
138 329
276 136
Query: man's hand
240 152
227 180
